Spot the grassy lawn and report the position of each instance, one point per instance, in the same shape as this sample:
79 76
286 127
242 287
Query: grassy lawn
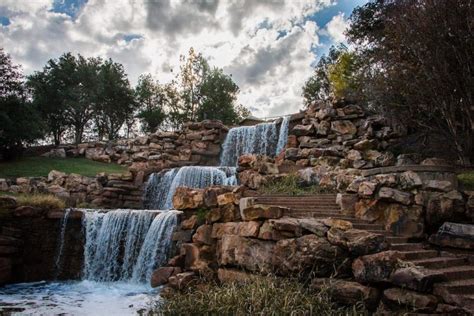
467 180
41 166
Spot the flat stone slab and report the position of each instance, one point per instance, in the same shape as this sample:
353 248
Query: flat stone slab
454 235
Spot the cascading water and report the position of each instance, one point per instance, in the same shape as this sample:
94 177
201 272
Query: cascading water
62 232
124 245
161 187
260 139
283 135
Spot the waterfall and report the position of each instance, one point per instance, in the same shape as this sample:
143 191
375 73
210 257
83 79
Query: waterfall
260 139
62 232
160 187
283 135
115 241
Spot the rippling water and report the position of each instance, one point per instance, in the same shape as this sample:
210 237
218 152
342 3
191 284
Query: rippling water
76 298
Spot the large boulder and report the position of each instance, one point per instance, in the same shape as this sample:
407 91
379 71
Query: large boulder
161 275
308 253
416 278
55 153
185 198
454 235
377 267
343 127
243 229
347 292
259 211
396 298
394 195
357 242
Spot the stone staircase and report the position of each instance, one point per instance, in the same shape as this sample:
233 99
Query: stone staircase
458 270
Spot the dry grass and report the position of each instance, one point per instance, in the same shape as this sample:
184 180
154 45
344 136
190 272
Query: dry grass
290 185
261 296
47 201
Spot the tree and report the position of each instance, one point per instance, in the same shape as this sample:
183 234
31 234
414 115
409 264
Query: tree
19 121
418 56
218 93
151 98
115 101
242 112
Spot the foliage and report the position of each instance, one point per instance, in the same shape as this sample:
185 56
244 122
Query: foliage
466 180
334 74
416 63
260 296
41 166
151 98
19 121
290 185
201 214
45 201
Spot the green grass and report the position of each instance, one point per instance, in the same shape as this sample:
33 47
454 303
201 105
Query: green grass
290 185
261 296
41 166
467 180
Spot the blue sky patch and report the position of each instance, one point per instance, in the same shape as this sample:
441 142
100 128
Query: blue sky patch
69 7
4 21
130 37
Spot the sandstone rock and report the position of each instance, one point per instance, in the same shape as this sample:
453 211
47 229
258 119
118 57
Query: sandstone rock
234 276
370 210
454 235
416 278
28 211
347 292
251 254
243 229
182 280
287 224
226 198
185 198
444 207
251 179
55 153
438 185
387 180
197 257
303 130
259 211
7 202
54 174
367 188
364 144
161 275
377 267
402 298
404 221
292 154
337 223
246 161
305 254
358 242
354 155
410 180
394 195
343 127
190 223
314 226
434 162
211 194
203 235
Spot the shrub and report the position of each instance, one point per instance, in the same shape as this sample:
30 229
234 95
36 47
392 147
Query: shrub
47 201
467 180
261 296
290 185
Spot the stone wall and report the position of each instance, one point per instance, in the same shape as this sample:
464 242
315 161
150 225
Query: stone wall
227 238
103 191
29 238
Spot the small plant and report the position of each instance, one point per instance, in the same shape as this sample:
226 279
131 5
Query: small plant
290 185
201 214
466 180
260 296
48 201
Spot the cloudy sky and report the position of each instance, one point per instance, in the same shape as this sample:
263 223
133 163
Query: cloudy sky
267 46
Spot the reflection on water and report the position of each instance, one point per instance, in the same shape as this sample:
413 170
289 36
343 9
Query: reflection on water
76 298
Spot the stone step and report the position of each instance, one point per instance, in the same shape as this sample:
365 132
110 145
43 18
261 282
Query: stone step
319 216
464 287
406 246
367 226
396 239
419 254
322 212
457 273
440 262
302 206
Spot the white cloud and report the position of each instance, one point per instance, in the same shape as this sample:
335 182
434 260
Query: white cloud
265 45
336 28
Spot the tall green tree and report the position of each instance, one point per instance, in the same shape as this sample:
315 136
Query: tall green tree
115 101
152 99
19 120
218 94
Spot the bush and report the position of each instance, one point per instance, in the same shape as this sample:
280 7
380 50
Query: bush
290 185
46 201
466 180
261 296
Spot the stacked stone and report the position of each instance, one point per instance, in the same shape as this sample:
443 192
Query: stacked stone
215 243
195 144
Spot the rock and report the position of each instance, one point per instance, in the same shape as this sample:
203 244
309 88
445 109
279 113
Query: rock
185 198
347 292
251 179
203 235
259 211
343 127
410 180
234 276
358 242
197 257
364 144
447 207
28 211
243 229
387 180
394 195
354 155
434 162
314 226
287 224
416 278
226 198
251 254
370 210
55 153
161 275
308 253
438 185
182 280
376 267
404 221
211 194
303 130
190 223
246 161
54 174
367 188
337 223
401 298
7 202
454 235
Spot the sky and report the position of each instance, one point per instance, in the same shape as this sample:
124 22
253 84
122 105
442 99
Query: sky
268 47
